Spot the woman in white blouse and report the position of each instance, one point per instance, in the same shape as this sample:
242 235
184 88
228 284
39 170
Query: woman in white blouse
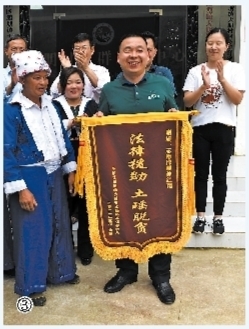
214 88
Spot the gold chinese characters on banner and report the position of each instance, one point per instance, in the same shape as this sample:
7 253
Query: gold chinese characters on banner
137 173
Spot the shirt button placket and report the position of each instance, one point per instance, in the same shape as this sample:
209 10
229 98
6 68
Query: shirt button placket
136 92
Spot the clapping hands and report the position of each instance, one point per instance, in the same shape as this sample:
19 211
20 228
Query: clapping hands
65 61
82 60
219 70
205 76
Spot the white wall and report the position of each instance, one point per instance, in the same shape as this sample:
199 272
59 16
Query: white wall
240 145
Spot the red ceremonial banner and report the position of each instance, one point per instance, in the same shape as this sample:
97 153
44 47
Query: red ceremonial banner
139 183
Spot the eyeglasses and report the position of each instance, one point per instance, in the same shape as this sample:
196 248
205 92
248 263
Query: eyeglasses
81 48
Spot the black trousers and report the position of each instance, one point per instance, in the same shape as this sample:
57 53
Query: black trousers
77 208
217 140
158 267
7 238
85 248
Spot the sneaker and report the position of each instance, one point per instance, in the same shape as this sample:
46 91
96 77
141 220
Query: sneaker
199 225
218 226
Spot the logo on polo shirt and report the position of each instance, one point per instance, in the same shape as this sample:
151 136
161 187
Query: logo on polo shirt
103 34
153 96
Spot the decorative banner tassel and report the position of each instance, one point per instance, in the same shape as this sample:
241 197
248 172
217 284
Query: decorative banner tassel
80 173
191 176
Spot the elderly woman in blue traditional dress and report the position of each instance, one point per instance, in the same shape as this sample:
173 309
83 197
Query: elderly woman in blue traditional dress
37 152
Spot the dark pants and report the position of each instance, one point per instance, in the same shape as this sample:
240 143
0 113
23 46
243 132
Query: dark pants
85 248
158 267
215 139
72 205
77 208
7 238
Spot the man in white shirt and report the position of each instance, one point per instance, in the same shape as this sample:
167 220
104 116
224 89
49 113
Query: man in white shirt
15 44
95 76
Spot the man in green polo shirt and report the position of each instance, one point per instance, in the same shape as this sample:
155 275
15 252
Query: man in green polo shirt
136 91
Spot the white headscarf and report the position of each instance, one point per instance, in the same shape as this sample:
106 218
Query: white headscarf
30 61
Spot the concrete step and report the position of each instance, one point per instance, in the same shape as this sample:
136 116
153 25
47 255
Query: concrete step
237 166
234 206
208 240
232 224
234 236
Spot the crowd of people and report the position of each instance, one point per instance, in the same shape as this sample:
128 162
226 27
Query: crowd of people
41 141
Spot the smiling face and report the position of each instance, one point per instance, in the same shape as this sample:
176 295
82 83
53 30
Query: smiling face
133 56
74 87
34 84
216 46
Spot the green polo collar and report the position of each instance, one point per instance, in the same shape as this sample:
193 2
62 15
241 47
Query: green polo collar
125 82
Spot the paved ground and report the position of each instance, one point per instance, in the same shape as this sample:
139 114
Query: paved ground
209 286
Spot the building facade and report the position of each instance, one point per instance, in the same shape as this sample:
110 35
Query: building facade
181 34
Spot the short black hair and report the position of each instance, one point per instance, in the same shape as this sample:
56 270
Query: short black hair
66 73
150 35
15 37
83 37
131 35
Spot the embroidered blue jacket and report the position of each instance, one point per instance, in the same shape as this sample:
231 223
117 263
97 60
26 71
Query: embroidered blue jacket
19 146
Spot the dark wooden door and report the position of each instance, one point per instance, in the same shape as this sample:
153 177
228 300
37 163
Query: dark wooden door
107 33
